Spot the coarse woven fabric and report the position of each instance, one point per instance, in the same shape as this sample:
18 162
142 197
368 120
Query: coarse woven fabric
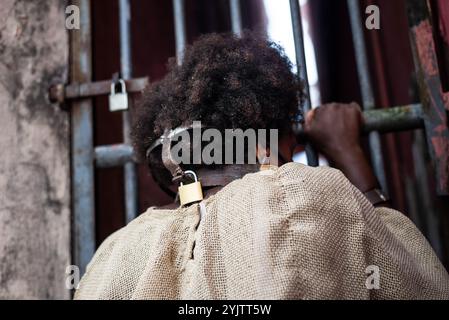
294 232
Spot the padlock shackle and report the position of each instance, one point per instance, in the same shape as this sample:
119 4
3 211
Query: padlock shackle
121 82
191 173
191 192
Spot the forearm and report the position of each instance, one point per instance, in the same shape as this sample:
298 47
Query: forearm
335 129
354 164
356 168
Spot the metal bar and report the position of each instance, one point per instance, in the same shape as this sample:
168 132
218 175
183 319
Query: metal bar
125 38
82 145
236 17
435 101
180 29
295 10
427 208
113 155
366 87
436 140
361 54
60 93
395 119
126 70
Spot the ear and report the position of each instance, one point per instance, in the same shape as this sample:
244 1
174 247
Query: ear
263 154
287 145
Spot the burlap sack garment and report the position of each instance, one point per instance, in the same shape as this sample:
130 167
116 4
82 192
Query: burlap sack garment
291 233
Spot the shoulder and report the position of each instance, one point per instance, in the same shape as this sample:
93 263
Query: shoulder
319 189
312 177
296 190
122 250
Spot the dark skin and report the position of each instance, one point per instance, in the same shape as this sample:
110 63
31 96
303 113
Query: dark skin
334 130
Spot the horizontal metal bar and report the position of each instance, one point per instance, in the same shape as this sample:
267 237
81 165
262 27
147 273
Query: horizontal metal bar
60 93
113 155
401 118
395 119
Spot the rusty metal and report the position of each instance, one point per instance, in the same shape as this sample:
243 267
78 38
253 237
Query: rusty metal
421 201
393 119
82 144
56 93
59 93
435 101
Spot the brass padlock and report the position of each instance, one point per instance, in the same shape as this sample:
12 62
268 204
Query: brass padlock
190 193
118 101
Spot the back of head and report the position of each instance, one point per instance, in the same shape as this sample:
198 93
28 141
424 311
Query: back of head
226 82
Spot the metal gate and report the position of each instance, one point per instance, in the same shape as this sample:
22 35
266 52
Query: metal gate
81 90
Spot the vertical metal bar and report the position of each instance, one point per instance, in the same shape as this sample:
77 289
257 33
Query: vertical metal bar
130 175
435 105
361 54
82 144
427 212
295 9
180 29
236 17
366 87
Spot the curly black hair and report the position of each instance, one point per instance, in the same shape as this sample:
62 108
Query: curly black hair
226 82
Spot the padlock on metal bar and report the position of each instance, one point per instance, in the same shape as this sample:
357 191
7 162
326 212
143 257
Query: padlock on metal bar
192 192
118 101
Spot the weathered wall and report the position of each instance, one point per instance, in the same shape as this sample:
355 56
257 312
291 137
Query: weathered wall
34 151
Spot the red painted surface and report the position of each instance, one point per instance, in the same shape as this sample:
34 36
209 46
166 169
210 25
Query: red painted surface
440 20
426 48
445 96
436 110
441 147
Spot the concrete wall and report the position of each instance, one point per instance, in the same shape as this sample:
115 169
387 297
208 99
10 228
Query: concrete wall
34 151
